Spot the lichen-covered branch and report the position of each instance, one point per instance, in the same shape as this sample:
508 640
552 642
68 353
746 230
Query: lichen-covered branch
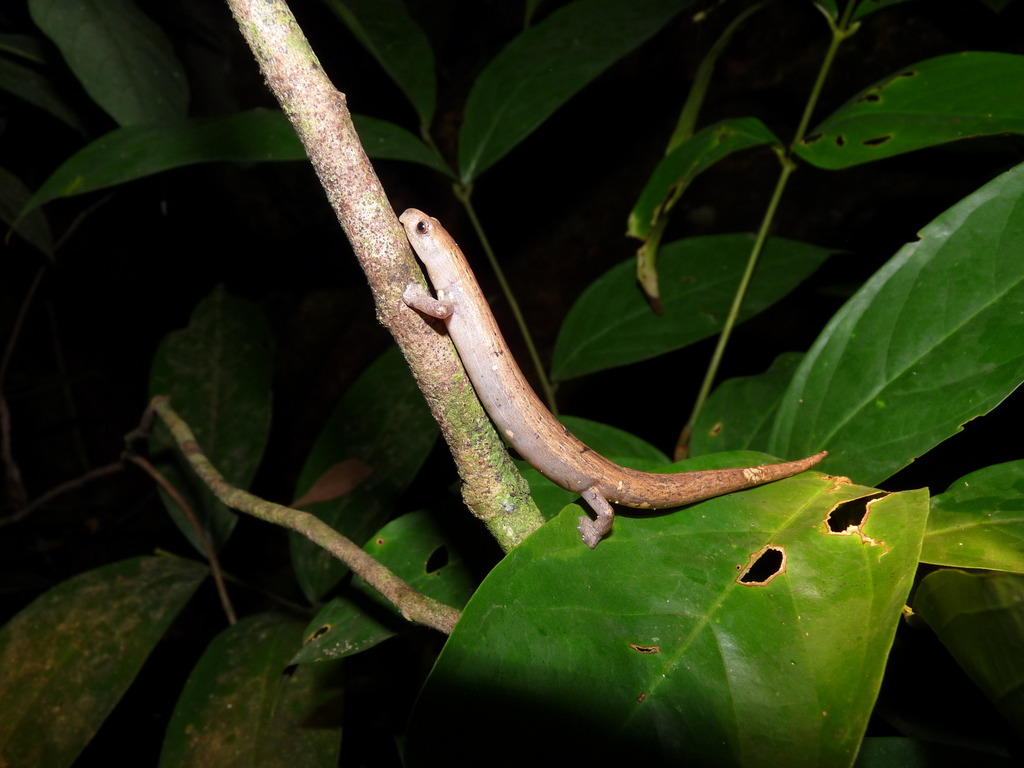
493 490
413 605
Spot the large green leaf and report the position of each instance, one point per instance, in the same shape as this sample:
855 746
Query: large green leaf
687 161
127 154
413 547
740 412
68 658
243 707
980 619
123 60
650 650
546 65
382 430
934 339
975 93
979 521
387 31
611 324
217 373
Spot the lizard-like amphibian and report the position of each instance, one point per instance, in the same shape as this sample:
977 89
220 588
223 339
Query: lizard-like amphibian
524 421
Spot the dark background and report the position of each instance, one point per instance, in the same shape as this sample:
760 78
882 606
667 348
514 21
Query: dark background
137 258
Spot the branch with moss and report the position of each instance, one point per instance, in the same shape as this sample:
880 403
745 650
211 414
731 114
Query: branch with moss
492 488
413 605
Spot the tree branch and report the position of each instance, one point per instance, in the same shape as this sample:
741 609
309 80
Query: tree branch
494 491
413 605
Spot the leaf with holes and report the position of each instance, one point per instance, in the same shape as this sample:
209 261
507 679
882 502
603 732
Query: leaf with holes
687 161
979 521
242 705
413 547
670 643
934 339
975 93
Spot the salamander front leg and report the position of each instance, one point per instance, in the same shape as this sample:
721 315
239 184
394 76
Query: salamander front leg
417 298
594 530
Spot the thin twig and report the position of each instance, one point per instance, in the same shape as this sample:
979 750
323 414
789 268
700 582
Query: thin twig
413 605
211 554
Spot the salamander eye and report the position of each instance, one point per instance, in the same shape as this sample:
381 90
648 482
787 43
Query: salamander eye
422 226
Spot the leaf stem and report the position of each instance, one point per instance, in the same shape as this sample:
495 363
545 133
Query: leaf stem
840 31
463 194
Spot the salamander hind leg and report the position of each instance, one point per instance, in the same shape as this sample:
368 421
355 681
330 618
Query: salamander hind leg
593 531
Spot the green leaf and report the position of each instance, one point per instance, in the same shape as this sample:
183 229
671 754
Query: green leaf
242 706
934 339
68 658
131 153
980 620
413 547
33 227
218 373
651 647
687 161
828 7
123 60
740 412
899 752
398 44
28 47
37 89
611 324
383 425
933 102
865 7
979 521
127 154
545 66
386 141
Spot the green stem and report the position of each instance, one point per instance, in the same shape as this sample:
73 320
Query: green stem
463 194
840 32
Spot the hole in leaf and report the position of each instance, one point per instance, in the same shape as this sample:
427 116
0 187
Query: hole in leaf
877 141
764 566
850 514
840 140
317 634
645 648
812 138
874 98
438 559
